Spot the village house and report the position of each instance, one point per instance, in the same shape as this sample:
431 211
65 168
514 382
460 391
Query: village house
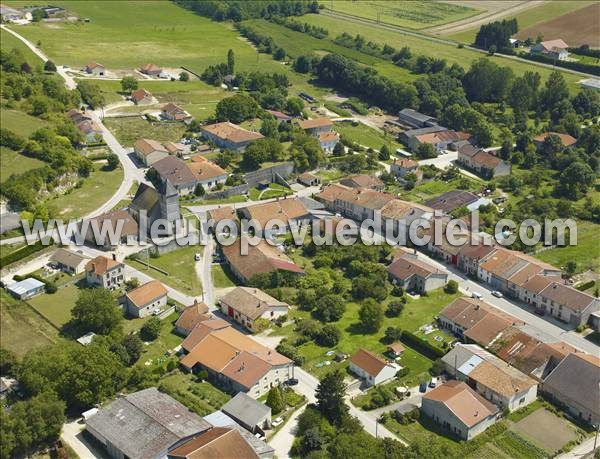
219 442
437 136
574 384
144 425
397 216
93 68
92 132
280 116
251 414
554 49
105 272
142 97
413 274
288 211
174 112
482 162
235 361
452 200
470 256
176 149
459 409
371 182
308 179
228 135
465 313
328 141
357 203
68 261
119 222
316 126
490 376
401 167
149 151
226 214
371 369
207 173
568 304
247 305
145 299
416 119
178 173
190 317
261 259
151 70
566 140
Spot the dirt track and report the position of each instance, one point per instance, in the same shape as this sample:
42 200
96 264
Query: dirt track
483 18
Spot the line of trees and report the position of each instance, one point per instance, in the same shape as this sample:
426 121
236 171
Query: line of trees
239 10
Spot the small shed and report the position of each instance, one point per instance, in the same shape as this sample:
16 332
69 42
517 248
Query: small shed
86 339
27 288
249 413
396 349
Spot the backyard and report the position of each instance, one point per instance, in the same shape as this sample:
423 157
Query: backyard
274 190
23 329
416 313
56 307
179 264
365 135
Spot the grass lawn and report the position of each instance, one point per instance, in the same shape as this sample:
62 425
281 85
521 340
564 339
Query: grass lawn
586 253
15 163
95 191
529 17
496 442
56 307
8 42
154 354
274 190
19 122
365 135
330 175
412 15
420 45
428 190
179 264
200 397
22 327
229 200
222 277
197 97
416 313
128 130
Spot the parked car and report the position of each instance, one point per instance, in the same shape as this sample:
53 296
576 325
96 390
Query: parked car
433 382
276 422
497 294
423 387
476 295
292 381
197 257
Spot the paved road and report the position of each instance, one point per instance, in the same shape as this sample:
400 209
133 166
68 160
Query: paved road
131 173
582 451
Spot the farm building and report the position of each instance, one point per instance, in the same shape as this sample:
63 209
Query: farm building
229 135
26 288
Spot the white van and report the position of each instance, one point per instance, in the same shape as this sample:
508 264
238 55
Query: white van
476 295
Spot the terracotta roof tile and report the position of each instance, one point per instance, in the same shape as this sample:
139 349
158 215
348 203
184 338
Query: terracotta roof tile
147 293
315 123
231 132
100 265
368 362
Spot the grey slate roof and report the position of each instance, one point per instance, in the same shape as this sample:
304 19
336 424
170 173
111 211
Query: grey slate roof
67 257
576 379
425 130
246 410
146 424
416 115
24 286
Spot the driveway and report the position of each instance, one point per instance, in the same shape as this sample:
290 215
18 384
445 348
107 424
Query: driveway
72 435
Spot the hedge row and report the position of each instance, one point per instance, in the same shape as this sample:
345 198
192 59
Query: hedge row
586 285
578 66
21 253
422 346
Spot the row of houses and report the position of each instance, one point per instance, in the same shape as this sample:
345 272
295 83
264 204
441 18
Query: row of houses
485 385
517 275
91 131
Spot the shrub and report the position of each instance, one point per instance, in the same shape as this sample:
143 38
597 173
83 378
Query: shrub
451 287
151 329
424 347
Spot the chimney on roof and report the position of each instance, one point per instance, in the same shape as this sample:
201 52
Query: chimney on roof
476 413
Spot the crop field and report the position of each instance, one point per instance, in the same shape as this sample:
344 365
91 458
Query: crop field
412 15
423 45
530 17
575 28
